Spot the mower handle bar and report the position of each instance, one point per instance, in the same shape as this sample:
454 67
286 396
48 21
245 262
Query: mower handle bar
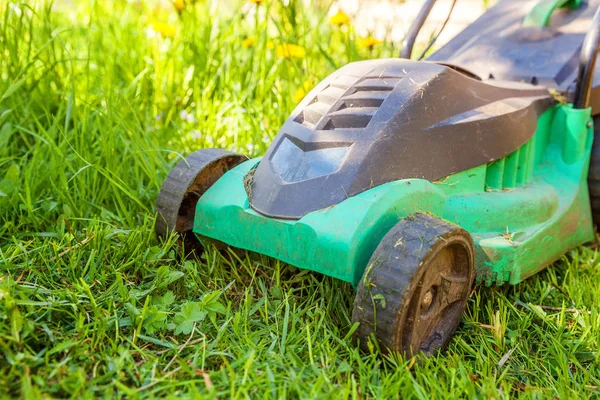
415 27
587 64
587 58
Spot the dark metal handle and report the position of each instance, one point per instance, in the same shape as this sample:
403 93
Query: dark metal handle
587 63
415 27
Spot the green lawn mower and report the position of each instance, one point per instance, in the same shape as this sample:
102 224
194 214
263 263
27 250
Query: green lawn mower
415 180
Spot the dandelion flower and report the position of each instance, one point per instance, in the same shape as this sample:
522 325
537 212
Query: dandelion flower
301 92
257 1
299 95
164 29
339 19
289 50
369 42
178 4
248 42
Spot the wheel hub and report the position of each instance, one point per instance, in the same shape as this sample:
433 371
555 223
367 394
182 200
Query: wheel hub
427 300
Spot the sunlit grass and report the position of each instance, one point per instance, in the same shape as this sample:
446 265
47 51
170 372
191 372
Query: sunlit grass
98 101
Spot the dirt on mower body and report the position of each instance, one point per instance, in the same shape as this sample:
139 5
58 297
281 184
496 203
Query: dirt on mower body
413 179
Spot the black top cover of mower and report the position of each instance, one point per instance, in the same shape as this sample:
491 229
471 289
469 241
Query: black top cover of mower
373 122
498 46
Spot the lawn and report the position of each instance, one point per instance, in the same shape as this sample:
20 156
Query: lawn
98 101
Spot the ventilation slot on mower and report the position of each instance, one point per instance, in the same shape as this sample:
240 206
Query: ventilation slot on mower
365 99
377 84
322 103
358 107
350 118
344 81
346 103
513 170
314 112
330 95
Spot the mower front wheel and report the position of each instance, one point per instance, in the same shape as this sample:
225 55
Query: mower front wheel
179 194
415 287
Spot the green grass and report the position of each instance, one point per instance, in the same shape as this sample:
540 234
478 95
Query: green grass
91 304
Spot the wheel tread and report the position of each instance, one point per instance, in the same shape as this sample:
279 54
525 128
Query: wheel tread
391 270
200 169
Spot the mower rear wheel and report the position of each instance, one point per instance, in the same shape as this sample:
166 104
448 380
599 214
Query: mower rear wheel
415 287
179 194
594 174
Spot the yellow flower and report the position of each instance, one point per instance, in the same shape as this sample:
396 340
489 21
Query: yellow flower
270 44
302 90
179 4
248 42
164 29
289 50
368 42
257 2
339 19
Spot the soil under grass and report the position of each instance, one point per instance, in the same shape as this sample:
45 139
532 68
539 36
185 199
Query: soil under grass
95 108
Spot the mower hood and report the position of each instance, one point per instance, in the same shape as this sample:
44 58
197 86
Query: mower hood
373 122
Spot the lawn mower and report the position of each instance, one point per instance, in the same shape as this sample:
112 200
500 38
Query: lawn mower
415 180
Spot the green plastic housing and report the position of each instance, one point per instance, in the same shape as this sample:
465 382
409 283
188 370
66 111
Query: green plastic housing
523 211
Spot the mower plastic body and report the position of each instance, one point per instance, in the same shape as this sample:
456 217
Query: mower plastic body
517 229
473 138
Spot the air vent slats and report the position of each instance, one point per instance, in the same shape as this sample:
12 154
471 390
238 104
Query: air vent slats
377 84
348 102
360 105
365 99
344 81
330 95
314 112
346 118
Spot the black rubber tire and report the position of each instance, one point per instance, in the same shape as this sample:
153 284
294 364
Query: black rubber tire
179 194
594 174
421 262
